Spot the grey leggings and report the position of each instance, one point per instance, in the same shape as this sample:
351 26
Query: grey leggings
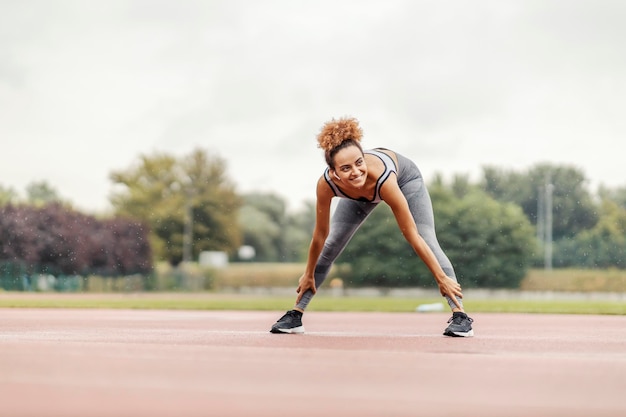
350 214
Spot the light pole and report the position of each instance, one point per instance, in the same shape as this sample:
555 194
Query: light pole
188 223
544 221
541 211
548 243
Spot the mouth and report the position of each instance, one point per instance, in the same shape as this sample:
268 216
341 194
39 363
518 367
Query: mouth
356 179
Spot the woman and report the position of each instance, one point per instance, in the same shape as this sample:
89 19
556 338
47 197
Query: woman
362 179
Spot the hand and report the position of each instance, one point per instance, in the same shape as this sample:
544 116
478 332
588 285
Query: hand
451 288
306 282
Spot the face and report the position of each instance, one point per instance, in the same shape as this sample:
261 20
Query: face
350 167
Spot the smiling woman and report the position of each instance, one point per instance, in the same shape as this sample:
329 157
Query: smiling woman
363 179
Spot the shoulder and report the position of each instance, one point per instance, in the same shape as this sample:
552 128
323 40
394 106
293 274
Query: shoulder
382 154
386 152
390 190
323 190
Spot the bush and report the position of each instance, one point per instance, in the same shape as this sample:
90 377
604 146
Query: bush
489 243
57 240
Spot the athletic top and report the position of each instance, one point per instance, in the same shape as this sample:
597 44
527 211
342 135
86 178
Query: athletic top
390 166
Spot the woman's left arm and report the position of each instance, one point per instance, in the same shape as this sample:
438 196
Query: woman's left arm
392 195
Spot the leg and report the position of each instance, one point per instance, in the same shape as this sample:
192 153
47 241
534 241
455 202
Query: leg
459 325
421 208
348 217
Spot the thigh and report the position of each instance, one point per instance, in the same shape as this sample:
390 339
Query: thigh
420 204
347 217
351 211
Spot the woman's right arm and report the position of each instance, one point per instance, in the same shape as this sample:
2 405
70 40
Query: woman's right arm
320 232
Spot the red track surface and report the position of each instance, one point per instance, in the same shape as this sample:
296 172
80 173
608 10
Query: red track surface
85 363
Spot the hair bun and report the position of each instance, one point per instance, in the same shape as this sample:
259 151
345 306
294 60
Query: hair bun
334 132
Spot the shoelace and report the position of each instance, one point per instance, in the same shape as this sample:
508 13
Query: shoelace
288 314
459 319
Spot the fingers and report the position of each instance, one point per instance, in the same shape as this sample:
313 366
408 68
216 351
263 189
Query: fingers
301 290
456 302
453 296
452 291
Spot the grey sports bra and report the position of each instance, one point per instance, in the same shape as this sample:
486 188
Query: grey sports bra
390 166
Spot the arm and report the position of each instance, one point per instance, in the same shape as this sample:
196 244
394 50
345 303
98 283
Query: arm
320 232
392 195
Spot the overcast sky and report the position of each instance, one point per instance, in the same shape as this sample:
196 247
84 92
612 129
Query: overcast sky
86 87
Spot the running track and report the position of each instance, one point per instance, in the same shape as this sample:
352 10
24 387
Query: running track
71 362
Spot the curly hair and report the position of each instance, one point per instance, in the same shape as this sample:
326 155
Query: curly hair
336 131
338 134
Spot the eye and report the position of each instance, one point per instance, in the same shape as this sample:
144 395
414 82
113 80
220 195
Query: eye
359 162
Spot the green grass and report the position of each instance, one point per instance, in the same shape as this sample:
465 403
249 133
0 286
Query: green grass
210 301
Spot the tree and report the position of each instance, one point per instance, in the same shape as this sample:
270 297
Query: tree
18 238
7 196
617 195
62 239
603 246
490 243
41 193
573 206
212 203
127 247
187 202
260 232
276 235
58 240
299 232
380 256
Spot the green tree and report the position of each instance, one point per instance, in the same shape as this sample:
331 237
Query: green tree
573 206
8 195
41 193
263 220
379 255
213 203
603 246
276 235
618 195
189 197
490 243
299 232
261 232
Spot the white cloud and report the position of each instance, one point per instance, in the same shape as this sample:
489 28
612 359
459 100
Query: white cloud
86 87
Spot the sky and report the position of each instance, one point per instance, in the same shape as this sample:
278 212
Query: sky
87 87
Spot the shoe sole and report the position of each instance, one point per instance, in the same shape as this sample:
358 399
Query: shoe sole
294 330
459 334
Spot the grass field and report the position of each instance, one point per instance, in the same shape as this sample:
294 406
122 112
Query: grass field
212 301
579 280
224 293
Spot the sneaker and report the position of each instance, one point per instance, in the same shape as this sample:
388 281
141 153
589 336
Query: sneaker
291 322
460 325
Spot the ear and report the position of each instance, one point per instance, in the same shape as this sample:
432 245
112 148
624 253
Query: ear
335 174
